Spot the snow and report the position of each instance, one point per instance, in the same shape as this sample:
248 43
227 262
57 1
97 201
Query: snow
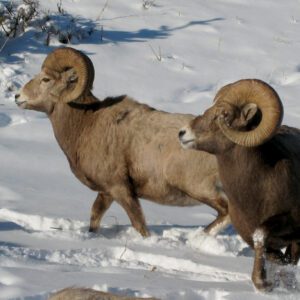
174 55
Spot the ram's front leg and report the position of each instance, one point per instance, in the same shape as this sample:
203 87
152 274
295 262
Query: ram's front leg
100 206
259 270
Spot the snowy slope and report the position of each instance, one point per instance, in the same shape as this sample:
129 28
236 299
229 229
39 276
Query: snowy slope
174 56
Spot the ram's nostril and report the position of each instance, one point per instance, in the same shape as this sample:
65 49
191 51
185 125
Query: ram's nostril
16 97
181 133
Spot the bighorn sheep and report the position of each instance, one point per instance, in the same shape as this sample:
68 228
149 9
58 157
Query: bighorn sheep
89 294
259 166
118 147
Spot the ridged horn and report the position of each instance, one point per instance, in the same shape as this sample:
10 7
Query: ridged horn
268 102
61 60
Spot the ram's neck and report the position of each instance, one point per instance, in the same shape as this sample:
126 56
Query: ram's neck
238 170
69 122
236 156
66 126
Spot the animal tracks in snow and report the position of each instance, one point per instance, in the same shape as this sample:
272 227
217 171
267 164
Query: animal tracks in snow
8 195
126 249
172 62
198 96
288 79
165 236
43 226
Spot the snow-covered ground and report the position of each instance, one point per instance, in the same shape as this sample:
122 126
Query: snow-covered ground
174 56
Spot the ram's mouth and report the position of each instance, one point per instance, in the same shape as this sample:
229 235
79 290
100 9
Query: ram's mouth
187 144
187 141
21 103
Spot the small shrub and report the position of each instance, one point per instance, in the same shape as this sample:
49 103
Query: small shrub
14 17
17 15
64 28
148 3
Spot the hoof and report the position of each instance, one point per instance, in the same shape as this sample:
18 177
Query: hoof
91 229
145 233
264 286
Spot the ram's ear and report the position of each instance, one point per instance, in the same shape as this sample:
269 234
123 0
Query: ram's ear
70 76
227 112
247 114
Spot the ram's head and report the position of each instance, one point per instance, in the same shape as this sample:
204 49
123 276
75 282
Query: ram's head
66 75
247 112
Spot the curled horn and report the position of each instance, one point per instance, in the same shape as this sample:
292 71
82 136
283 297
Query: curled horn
267 101
63 59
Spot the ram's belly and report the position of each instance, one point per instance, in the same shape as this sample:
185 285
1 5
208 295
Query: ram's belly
164 194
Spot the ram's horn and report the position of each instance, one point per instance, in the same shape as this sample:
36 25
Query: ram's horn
268 102
63 59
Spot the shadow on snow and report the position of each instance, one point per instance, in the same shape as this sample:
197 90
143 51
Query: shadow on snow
31 41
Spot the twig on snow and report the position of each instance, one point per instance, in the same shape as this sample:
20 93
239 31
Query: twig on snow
125 249
156 54
102 11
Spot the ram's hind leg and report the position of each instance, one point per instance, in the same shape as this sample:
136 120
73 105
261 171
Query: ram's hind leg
132 206
292 253
207 192
221 206
100 206
283 230
275 256
221 222
197 177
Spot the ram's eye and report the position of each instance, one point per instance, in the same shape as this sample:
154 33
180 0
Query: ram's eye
45 79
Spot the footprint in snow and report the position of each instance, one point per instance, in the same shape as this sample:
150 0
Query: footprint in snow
8 194
191 96
291 79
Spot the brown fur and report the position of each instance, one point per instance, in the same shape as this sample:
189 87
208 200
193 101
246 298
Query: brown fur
89 294
125 150
261 182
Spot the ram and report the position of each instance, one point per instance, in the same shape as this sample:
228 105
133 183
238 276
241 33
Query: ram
75 293
118 147
259 166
